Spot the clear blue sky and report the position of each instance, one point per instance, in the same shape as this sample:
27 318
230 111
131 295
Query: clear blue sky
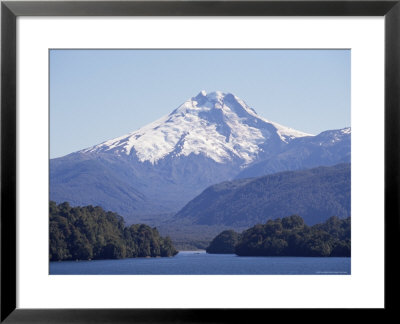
96 95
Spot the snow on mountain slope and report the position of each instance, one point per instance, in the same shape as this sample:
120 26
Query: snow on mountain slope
210 138
327 148
217 125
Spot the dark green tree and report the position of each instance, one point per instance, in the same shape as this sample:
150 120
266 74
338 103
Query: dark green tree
84 233
290 236
224 243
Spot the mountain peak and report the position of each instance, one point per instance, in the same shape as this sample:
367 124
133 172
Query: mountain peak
217 125
216 100
213 95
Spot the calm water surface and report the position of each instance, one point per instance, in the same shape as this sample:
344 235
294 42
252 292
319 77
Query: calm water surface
197 263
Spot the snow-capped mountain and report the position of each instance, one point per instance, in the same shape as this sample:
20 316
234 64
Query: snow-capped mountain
218 125
160 167
327 148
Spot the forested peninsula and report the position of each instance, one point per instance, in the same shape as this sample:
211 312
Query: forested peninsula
86 233
288 236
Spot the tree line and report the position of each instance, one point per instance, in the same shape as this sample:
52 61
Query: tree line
288 236
86 233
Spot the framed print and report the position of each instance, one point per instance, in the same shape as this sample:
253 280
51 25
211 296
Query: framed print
163 159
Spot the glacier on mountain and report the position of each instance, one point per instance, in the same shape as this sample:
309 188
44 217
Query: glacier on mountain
218 125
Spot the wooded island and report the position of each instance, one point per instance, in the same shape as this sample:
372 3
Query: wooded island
288 236
86 233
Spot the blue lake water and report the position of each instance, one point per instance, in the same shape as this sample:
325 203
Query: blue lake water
201 263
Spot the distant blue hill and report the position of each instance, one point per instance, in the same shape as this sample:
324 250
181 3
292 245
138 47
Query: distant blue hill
327 148
314 194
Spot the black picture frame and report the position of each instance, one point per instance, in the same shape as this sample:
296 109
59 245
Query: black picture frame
10 10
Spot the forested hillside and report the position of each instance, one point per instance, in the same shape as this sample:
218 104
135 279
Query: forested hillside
315 194
85 233
288 236
224 242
